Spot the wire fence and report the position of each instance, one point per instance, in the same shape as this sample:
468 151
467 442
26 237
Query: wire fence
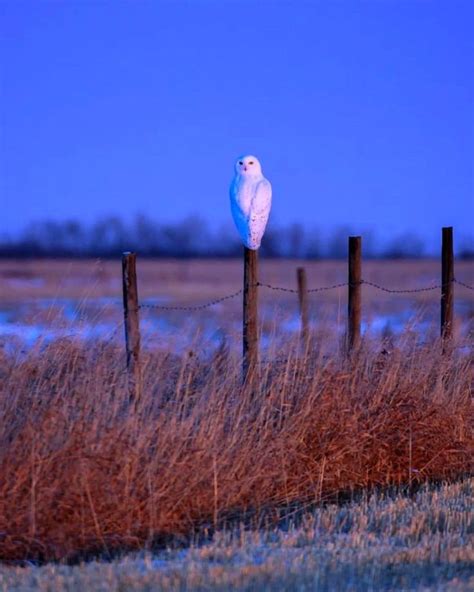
193 307
297 291
221 299
92 326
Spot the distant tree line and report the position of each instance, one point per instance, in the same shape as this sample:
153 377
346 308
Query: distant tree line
192 237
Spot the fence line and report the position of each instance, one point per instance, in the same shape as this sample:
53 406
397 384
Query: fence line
249 292
295 291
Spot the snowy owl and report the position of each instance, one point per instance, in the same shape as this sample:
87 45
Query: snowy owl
250 200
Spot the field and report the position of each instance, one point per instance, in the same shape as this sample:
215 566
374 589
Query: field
383 542
48 299
271 471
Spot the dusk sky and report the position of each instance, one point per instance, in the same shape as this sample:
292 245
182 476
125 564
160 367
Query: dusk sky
360 112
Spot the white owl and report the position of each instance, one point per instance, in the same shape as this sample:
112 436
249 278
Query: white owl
250 200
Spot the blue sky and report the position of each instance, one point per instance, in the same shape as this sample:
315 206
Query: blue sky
360 112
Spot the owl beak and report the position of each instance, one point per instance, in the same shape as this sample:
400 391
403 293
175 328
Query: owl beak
245 168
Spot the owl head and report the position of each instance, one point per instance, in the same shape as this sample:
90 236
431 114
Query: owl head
248 166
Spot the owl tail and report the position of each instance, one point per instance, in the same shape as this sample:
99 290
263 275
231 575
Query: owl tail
253 243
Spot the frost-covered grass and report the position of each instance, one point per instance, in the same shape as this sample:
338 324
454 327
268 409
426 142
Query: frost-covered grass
422 542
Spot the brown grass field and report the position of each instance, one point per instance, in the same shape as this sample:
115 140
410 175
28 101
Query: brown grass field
186 280
84 473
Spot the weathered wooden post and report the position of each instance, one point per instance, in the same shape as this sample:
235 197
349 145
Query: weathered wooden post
303 302
250 313
132 324
354 292
447 283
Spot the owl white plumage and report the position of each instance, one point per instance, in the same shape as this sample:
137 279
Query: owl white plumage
250 200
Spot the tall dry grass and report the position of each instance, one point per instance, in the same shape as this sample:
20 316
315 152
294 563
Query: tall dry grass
83 472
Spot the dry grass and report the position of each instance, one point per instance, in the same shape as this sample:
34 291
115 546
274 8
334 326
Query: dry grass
82 472
381 543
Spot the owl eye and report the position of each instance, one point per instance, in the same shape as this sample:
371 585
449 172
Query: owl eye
240 162
251 162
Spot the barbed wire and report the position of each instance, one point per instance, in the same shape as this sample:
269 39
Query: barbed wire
367 283
413 290
405 291
463 284
195 307
295 291
276 288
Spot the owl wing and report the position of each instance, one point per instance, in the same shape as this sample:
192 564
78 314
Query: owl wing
240 219
259 212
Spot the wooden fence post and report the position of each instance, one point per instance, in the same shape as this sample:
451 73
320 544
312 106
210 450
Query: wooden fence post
354 295
303 302
132 324
250 313
447 283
